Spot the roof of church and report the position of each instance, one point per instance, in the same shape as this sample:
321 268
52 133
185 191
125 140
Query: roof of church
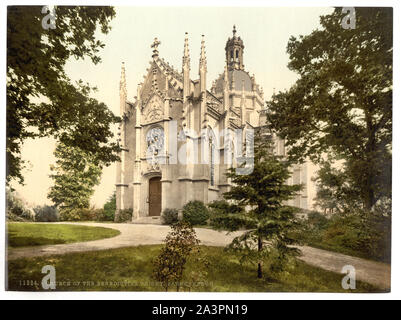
166 66
238 76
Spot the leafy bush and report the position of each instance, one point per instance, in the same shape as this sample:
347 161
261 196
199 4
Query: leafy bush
169 266
110 208
78 214
170 216
367 235
317 220
195 213
83 214
124 215
17 210
46 213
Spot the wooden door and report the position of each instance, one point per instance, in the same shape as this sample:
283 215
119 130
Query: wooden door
155 196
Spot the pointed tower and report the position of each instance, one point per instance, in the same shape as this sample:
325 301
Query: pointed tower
136 196
235 52
123 90
202 65
202 82
120 178
186 68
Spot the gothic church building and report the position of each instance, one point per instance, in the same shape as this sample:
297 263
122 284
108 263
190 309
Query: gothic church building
171 110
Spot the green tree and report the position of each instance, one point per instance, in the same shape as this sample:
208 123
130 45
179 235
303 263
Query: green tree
335 190
41 100
75 175
259 198
342 103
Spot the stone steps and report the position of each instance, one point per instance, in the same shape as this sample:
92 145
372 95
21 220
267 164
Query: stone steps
147 220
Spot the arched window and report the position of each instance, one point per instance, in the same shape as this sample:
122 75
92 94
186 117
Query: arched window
155 144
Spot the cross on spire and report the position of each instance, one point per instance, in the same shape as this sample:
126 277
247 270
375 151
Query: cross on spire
154 45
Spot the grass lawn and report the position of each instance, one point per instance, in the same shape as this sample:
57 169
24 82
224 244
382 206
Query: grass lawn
130 269
22 234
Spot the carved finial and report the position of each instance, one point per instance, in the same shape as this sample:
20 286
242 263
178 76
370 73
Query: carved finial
234 30
123 82
138 90
185 58
202 60
154 45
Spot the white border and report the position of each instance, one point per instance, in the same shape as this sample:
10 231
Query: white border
396 283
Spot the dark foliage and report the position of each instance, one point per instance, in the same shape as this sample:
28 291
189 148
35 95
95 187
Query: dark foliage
170 216
195 213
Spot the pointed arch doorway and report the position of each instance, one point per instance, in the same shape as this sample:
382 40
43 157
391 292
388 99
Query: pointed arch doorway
155 196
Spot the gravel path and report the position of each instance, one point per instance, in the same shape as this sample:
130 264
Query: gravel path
372 272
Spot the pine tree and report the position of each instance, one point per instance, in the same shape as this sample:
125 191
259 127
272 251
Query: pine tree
260 201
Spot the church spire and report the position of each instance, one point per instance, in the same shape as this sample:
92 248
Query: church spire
202 65
202 84
154 46
202 60
123 89
123 83
185 58
186 67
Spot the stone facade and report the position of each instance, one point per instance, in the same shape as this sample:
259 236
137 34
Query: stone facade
173 118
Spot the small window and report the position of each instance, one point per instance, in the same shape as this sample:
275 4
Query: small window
236 54
232 54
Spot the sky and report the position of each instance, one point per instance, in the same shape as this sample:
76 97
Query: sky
265 32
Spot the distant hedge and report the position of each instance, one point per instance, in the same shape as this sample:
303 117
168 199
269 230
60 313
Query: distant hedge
84 214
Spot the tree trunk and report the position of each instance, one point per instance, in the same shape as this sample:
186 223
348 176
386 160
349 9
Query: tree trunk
260 246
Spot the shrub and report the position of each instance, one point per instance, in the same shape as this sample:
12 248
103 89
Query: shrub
84 214
366 235
71 214
317 220
110 208
170 216
124 215
46 213
17 210
195 213
169 266
100 215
